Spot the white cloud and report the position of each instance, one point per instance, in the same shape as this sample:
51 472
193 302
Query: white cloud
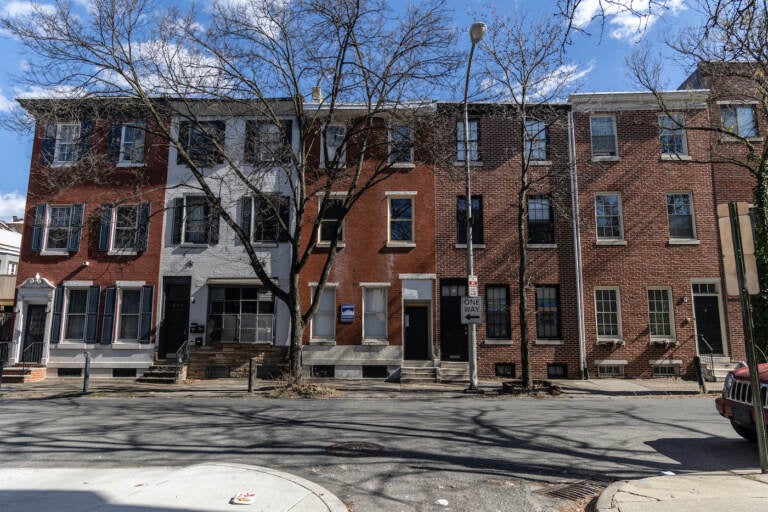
560 81
627 20
17 8
6 104
12 203
39 92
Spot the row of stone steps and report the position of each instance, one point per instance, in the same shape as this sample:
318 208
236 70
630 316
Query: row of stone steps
715 369
19 374
161 374
415 372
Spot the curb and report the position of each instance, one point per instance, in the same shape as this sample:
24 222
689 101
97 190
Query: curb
605 500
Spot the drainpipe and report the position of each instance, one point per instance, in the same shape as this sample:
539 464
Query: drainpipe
577 246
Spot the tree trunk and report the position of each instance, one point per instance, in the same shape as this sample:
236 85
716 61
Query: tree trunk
297 328
760 302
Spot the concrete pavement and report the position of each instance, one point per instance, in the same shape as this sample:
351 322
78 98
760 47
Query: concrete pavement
200 488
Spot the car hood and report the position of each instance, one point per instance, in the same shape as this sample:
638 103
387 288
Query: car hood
743 373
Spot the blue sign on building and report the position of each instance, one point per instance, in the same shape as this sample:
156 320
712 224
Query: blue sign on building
347 313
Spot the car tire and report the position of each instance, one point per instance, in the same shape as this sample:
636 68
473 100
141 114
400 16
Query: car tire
745 432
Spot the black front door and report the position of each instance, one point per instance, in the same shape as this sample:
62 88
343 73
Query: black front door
416 333
453 334
34 333
708 323
175 317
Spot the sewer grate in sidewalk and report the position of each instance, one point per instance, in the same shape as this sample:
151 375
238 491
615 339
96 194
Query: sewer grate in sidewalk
575 491
354 449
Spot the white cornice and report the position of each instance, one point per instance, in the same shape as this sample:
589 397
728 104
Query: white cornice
613 101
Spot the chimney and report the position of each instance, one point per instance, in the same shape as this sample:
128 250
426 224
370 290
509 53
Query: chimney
317 94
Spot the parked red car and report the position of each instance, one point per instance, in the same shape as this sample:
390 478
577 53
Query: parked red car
736 401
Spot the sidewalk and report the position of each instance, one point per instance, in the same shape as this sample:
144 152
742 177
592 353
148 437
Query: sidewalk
203 487
702 492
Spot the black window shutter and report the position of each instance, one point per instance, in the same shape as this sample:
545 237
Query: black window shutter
92 313
477 222
220 134
183 141
108 321
58 304
113 143
84 145
178 220
285 217
145 318
287 140
49 143
105 227
213 234
38 227
250 141
142 229
461 220
75 227
246 209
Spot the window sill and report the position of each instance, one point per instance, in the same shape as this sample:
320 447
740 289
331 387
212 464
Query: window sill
605 159
610 341
548 342
684 241
404 245
541 246
375 342
50 252
497 342
611 242
131 345
131 164
474 246
402 165
63 164
191 245
668 342
327 245
265 245
122 253
322 342
674 157
730 140
474 163
540 162
71 345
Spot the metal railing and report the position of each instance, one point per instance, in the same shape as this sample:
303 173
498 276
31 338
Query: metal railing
32 354
5 352
182 354
6 326
710 357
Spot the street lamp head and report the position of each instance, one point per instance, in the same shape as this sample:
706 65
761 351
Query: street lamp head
477 31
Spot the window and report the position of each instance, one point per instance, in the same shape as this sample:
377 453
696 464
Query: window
477 219
548 312
324 321
128 320
200 141
608 313
126 220
131 144
333 148
374 313
195 221
608 217
610 370
401 219
473 141
680 215
536 140
332 217
129 304
505 370
268 213
57 228
672 135
665 370
123 229
660 311
603 136
67 138
77 300
400 145
541 228
497 312
241 314
557 371
739 120
13 268
267 141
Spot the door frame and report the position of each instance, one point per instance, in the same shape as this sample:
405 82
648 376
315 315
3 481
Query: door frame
430 331
25 332
721 309
166 282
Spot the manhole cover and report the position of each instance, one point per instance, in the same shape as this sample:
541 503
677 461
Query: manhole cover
576 490
354 449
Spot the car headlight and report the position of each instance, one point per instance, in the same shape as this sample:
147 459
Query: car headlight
728 384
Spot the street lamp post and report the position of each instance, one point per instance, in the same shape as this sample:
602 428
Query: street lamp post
476 33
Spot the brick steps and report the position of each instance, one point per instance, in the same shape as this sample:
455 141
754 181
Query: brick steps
17 374
161 374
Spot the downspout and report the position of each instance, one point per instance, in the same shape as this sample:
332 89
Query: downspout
577 246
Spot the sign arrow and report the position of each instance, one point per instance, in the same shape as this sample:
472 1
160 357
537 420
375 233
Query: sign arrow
470 317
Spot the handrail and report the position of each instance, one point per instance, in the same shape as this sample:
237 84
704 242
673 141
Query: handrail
5 352
711 356
32 354
765 359
182 354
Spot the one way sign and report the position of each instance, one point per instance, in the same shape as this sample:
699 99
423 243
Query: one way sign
471 310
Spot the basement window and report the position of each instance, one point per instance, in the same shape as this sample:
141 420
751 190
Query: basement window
505 370
557 371
665 370
375 372
69 372
610 370
124 372
322 371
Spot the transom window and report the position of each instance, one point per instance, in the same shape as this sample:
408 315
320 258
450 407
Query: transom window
536 140
131 144
680 215
400 145
672 135
660 311
548 312
324 321
401 219
608 315
241 315
603 136
474 155
67 138
739 120
477 219
497 312
541 228
608 217
375 313
77 301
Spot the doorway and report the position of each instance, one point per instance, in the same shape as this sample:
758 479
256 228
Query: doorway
175 315
34 334
417 337
453 334
706 306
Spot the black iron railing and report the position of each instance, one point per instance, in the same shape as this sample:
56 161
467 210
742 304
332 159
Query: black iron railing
6 326
710 356
182 354
5 352
32 354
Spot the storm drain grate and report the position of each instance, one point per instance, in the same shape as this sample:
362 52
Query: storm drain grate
575 491
355 449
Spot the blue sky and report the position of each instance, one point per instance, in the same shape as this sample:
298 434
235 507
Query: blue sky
602 55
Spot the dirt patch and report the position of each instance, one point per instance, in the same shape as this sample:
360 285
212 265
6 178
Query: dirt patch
540 388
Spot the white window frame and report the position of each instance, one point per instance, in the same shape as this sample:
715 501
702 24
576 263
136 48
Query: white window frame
113 231
604 240
401 195
474 143
329 288
680 240
717 293
671 303
615 138
44 249
336 196
342 148
13 268
119 313
68 287
376 340
184 240
138 127
57 160
677 122
619 338
392 147
534 140
735 135
621 365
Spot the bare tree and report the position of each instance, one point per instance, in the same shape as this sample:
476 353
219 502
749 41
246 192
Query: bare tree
257 59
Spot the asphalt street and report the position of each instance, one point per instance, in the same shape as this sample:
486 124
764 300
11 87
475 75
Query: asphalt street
481 454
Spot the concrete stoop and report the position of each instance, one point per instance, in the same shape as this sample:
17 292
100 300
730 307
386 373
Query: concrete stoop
716 369
18 374
161 374
453 372
418 372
